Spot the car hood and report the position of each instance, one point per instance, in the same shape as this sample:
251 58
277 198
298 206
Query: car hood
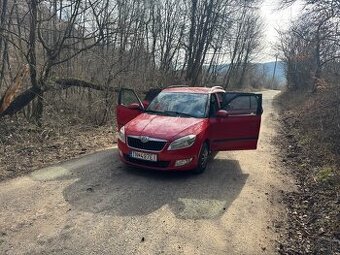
163 127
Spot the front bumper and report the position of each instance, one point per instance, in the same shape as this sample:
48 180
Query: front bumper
166 160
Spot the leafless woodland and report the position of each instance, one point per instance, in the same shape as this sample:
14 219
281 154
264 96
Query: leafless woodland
73 52
311 47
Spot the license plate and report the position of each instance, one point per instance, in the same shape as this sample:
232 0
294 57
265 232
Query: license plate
143 156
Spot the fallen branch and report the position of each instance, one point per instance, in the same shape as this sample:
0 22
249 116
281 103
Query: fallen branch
13 91
21 101
70 82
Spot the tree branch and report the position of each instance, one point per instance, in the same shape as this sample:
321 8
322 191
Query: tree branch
71 82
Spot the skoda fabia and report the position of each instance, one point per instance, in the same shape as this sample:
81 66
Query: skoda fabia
177 128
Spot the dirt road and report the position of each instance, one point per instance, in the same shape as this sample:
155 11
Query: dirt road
95 205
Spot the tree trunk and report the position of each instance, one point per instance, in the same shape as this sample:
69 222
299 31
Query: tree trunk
38 108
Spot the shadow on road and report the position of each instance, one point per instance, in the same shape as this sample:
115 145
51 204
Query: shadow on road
107 186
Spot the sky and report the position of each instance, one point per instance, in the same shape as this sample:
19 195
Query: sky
275 19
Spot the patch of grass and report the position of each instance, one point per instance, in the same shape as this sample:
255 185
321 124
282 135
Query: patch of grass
325 174
305 140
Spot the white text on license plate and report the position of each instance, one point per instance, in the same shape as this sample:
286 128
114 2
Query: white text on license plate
143 156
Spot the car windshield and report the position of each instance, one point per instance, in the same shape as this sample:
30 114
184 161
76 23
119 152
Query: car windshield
179 104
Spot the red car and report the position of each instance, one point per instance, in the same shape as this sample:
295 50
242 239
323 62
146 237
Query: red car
178 127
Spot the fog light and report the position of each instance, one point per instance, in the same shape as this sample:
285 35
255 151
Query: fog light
183 162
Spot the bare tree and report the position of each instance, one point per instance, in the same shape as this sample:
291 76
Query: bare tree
100 45
246 31
311 44
43 53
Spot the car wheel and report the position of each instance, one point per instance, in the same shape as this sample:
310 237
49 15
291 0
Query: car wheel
202 159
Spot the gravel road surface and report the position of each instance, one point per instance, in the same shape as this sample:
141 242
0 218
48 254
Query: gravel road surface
96 205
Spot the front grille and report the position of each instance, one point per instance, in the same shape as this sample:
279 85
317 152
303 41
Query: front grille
160 164
135 142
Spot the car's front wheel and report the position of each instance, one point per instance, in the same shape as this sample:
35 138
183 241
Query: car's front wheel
203 158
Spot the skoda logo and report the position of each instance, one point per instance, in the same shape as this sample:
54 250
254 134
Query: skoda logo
144 139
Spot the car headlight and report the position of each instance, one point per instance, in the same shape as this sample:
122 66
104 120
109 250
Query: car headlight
183 142
121 134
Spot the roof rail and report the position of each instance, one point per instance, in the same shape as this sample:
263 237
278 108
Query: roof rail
217 87
177 86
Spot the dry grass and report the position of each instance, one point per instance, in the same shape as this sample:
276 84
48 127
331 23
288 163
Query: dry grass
315 120
310 139
25 147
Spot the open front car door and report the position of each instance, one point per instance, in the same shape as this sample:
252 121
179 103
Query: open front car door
129 107
236 125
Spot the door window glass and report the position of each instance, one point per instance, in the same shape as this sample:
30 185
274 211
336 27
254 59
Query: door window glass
128 98
242 105
253 104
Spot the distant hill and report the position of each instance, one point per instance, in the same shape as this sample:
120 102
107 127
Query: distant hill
267 68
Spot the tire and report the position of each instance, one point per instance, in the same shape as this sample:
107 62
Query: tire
202 159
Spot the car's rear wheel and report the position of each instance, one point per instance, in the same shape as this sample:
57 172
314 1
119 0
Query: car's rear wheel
203 158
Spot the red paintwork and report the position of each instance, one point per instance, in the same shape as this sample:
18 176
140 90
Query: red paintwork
167 128
235 132
245 129
166 155
164 127
125 114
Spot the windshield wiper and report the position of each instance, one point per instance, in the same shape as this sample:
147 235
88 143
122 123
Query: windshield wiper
178 113
152 111
170 113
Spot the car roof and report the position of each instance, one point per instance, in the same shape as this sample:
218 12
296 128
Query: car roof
199 90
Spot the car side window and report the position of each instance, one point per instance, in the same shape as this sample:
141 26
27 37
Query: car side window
128 97
242 105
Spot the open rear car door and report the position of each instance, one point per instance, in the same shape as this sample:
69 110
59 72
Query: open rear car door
238 127
129 107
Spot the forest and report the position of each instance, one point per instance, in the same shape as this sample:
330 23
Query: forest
82 51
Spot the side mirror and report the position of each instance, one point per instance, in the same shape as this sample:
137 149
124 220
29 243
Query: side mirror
145 104
222 114
134 106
